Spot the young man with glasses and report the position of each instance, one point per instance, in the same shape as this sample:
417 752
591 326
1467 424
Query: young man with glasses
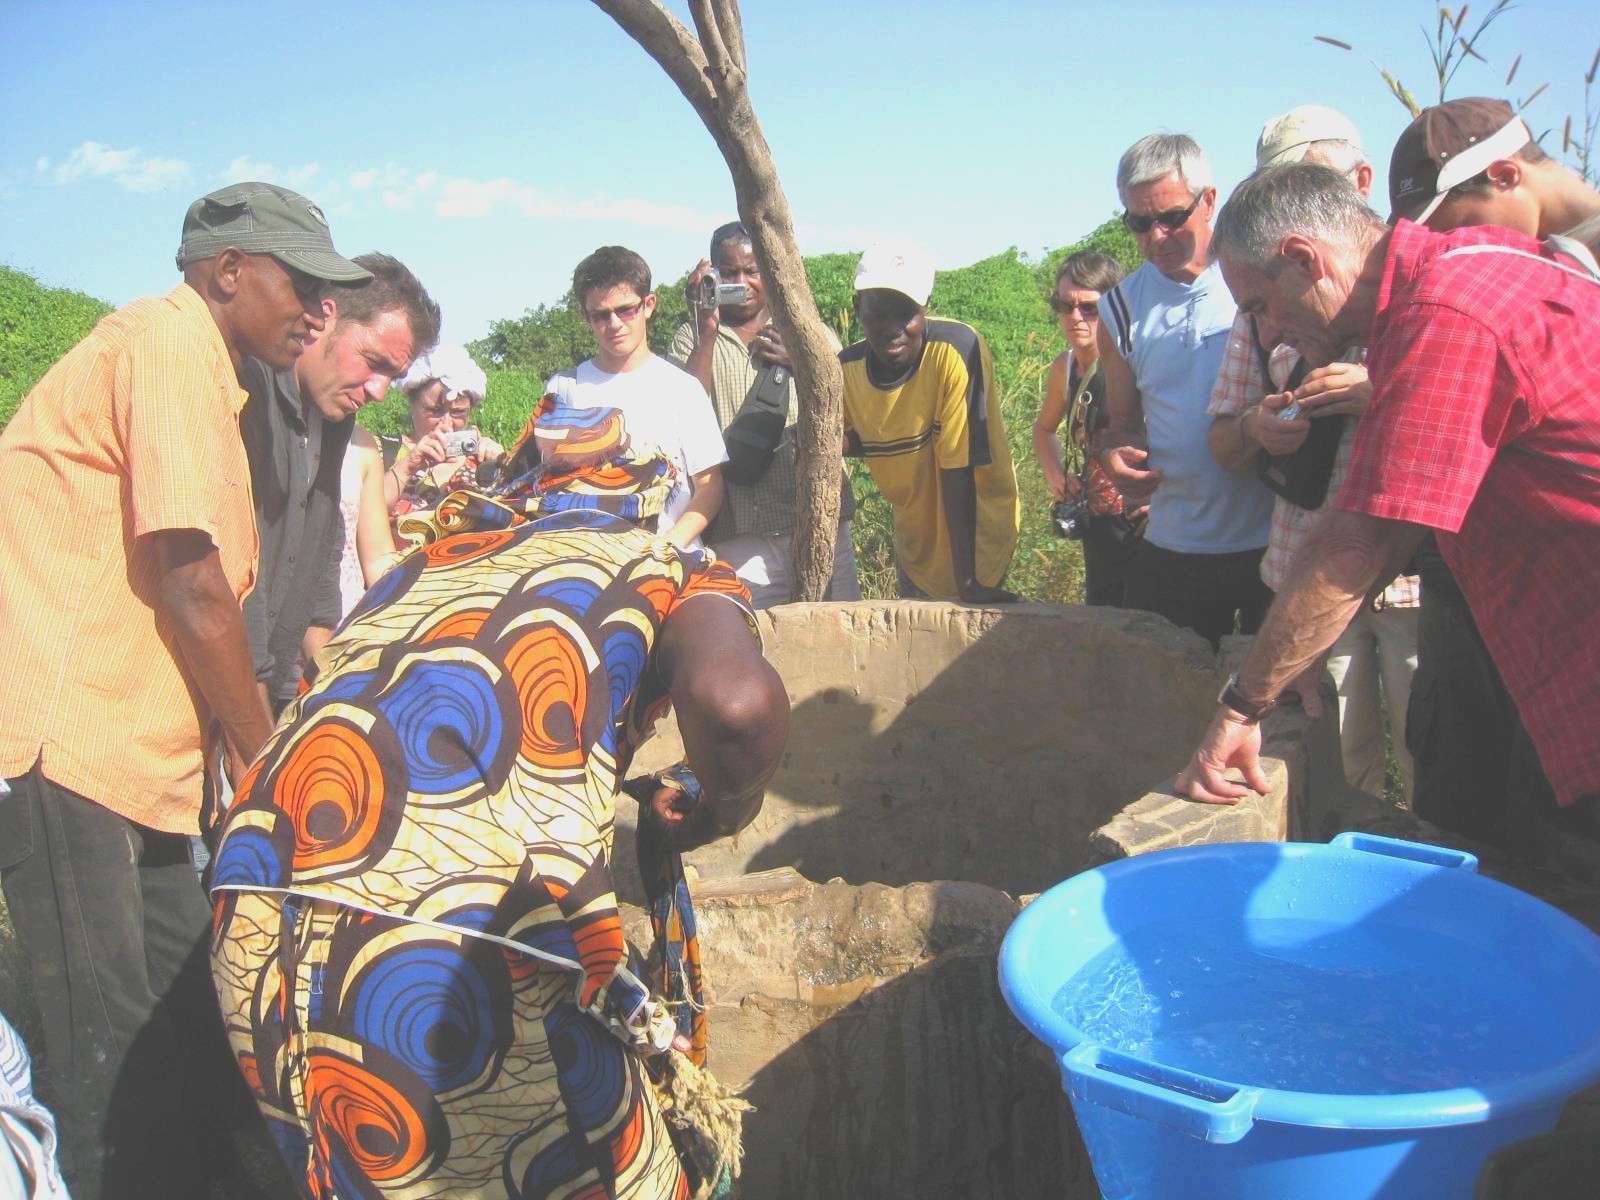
1163 331
664 405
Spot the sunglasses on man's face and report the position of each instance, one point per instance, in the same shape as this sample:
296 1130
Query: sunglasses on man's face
1171 220
1089 308
624 313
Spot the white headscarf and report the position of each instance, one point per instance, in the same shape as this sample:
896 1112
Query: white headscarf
451 366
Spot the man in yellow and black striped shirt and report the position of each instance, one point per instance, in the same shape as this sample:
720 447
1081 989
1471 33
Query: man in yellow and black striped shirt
920 405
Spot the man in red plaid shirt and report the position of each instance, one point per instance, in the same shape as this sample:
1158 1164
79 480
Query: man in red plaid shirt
1482 428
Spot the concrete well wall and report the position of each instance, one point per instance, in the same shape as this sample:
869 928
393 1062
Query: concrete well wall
930 741
942 762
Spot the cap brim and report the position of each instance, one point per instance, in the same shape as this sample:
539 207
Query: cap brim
1287 154
867 284
320 264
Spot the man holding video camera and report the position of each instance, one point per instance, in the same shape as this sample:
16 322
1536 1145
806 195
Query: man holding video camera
296 426
731 346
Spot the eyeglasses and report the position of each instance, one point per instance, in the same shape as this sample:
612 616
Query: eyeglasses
460 412
1089 308
624 313
1172 219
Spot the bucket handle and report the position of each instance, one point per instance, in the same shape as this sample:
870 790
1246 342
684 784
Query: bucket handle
1420 852
1197 1105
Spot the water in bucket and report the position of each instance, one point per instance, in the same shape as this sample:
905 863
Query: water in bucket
1306 1006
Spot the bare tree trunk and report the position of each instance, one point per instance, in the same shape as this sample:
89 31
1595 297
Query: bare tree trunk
710 72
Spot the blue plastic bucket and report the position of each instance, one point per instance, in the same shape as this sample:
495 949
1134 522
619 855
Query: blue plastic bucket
1264 1021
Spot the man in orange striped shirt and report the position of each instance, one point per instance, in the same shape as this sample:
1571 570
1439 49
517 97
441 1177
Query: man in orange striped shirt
128 546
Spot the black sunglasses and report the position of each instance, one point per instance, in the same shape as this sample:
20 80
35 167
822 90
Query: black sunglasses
1172 219
1089 308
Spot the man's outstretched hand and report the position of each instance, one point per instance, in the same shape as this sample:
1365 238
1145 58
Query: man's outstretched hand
1231 741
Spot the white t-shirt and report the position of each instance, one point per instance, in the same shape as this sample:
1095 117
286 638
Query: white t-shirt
663 406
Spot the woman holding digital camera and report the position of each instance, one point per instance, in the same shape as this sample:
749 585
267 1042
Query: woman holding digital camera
1087 504
445 451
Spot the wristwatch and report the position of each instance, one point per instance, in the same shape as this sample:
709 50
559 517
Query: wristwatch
1252 710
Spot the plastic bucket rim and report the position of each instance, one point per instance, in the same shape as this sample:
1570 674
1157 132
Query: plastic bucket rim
1400 1110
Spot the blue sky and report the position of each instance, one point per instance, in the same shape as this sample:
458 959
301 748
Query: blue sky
490 144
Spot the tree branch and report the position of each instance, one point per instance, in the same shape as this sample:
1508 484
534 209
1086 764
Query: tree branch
673 48
716 87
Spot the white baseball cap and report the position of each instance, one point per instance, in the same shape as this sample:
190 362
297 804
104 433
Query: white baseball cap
1286 138
898 266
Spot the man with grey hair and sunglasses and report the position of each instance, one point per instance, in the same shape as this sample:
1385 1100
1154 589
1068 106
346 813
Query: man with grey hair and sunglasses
1162 336
1485 396
1305 452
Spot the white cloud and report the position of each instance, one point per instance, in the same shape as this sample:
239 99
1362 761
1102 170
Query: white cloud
244 167
362 180
131 169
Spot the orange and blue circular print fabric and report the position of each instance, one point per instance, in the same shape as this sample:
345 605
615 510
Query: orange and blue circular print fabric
417 945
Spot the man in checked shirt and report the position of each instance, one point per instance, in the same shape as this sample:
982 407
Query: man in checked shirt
1485 397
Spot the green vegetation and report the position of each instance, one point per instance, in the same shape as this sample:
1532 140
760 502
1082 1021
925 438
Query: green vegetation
37 326
1004 297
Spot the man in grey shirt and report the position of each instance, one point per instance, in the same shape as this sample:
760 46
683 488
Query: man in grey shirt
296 426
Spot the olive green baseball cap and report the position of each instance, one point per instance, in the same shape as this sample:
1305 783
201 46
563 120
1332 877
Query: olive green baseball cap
262 218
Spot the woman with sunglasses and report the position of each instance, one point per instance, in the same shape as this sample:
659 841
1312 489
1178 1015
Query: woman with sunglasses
1075 392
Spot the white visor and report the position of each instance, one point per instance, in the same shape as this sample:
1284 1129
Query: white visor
1475 160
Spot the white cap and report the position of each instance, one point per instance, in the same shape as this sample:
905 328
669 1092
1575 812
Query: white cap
898 266
451 366
1286 138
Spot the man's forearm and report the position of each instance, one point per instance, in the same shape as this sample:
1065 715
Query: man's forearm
703 506
959 493
315 639
1345 560
699 361
210 633
733 713
1232 441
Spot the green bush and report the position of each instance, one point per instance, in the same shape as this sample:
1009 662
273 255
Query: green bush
37 326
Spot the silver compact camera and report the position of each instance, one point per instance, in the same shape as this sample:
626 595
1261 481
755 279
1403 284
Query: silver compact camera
713 293
461 443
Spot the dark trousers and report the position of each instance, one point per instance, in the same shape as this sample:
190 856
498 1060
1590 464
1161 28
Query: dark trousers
1107 564
1476 769
115 927
1208 593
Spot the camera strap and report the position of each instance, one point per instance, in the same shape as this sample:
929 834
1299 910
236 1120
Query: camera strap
1082 409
